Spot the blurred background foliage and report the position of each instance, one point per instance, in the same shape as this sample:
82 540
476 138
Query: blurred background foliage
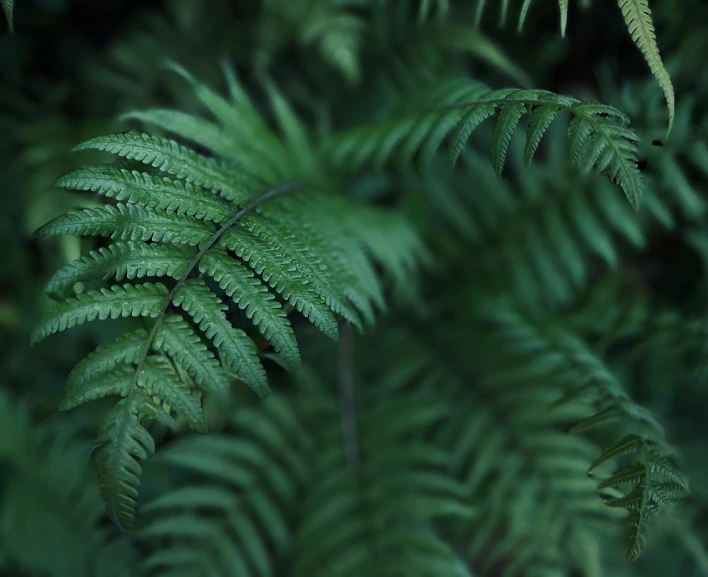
564 247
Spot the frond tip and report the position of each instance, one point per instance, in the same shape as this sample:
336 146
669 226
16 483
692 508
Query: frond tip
637 16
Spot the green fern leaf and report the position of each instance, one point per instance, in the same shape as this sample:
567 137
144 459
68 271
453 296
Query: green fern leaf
539 121
105 359
149 191
132 223
178 161
637 16
260 306
116 302
522 14
99 385
123 260
504 129
176 338
159 379
628 444
122 443
633 474
465 128
563 4
235 348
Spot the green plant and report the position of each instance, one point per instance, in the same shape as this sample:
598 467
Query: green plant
512 388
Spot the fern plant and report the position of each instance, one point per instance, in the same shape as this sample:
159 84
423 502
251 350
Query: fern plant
191 221
493 423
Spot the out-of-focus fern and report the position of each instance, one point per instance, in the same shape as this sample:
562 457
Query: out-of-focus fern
334 27
234 515
49 504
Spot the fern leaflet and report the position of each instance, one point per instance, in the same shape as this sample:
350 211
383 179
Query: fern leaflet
599 136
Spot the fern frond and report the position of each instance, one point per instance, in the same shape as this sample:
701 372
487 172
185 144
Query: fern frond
637 16
132 223
237 351
255 300
458 107
123 260
116 302
149 191
175 160
302 249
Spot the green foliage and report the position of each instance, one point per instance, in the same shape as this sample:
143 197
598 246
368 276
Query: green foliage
165 369
638 19
461 367
599 137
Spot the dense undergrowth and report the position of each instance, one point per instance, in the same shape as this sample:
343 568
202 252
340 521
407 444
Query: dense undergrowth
385 288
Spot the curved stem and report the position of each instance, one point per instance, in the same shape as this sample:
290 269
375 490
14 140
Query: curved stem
125 417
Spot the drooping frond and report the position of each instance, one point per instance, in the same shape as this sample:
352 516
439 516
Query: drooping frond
266 242
599 137
637 16
565 225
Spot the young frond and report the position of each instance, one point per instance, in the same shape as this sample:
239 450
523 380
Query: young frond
267 248
599 136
